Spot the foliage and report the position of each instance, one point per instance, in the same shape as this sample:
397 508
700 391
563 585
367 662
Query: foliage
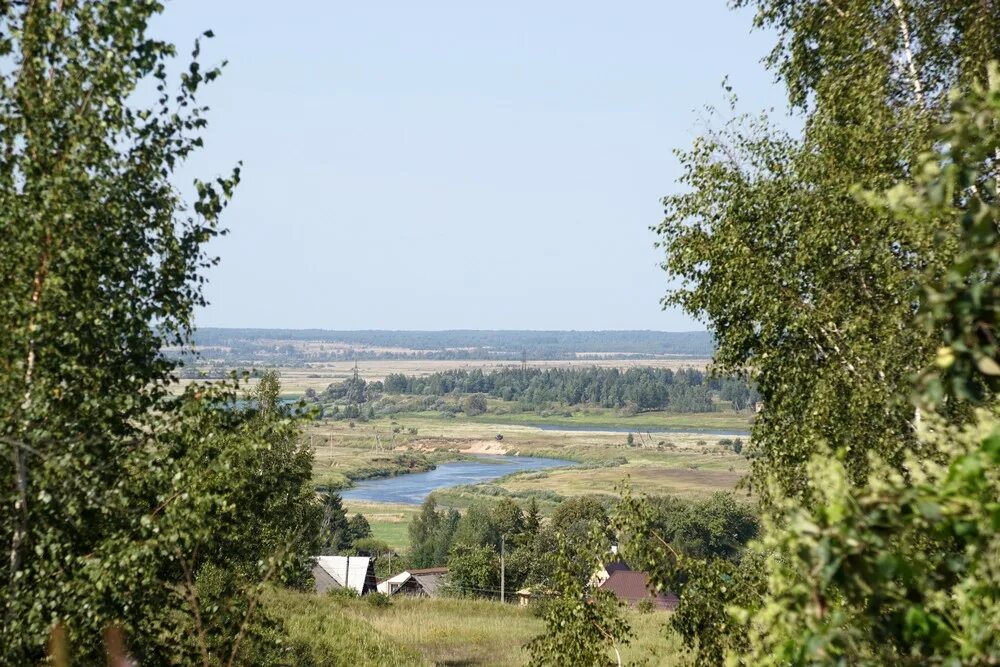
532 517
369 546
695 551
954 197
431 535
474 405
579 514
509 518
478 527
685 390
474 570
878 536
804 285
378 600
582 626
358 528
904 569
474 559
901 572
125 505
335 531
717 527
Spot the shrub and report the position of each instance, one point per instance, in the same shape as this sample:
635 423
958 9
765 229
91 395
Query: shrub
340 593
378 600
474 405
645 606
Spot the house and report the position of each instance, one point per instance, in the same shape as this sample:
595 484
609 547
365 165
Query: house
430 579
354 572
401 583
421 583
526 595
602 573
633 587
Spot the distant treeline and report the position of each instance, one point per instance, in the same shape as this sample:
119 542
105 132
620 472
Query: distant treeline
287 345
685 390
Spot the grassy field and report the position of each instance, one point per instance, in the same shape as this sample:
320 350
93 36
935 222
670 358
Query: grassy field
655 478
606 417
389 521
441 631
435 433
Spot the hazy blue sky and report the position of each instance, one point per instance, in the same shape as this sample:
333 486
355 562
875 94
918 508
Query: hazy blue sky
432 165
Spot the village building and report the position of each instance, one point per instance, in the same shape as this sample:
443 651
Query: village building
604 572
633 587
628 585
526 595
424 582
354 572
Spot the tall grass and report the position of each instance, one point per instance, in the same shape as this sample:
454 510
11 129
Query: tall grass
323 633
328 630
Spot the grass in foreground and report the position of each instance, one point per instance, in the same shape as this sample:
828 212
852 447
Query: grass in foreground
440 631
323 633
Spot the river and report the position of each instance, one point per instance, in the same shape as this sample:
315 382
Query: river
412 489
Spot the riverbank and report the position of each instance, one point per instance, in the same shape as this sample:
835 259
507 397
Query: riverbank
414 488
683 464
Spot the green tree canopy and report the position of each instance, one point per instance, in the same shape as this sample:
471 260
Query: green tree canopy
126 503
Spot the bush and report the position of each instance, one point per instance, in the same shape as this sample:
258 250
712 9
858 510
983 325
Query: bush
474 405
340 593
378 600
645 606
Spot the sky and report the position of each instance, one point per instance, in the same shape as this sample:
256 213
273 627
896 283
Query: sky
440 165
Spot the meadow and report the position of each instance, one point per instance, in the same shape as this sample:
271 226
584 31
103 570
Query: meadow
333 630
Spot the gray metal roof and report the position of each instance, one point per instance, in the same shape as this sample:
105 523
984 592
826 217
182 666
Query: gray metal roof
347 571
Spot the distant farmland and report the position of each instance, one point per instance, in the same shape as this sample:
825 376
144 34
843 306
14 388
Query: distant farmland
287 347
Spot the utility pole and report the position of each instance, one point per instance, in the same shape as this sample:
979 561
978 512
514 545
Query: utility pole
502 573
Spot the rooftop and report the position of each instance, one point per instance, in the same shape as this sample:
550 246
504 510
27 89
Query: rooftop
632 587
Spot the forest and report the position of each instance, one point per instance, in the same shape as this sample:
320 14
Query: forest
641 389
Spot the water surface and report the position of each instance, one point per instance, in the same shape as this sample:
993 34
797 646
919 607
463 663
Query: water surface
412 489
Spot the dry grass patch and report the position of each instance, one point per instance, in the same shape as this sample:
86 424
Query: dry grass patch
457 632
645 478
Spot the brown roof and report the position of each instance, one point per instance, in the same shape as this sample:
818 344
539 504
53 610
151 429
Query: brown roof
617 566
631 587
430 570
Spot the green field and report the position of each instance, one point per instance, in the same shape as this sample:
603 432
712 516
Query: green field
607 417
439 631
389 521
